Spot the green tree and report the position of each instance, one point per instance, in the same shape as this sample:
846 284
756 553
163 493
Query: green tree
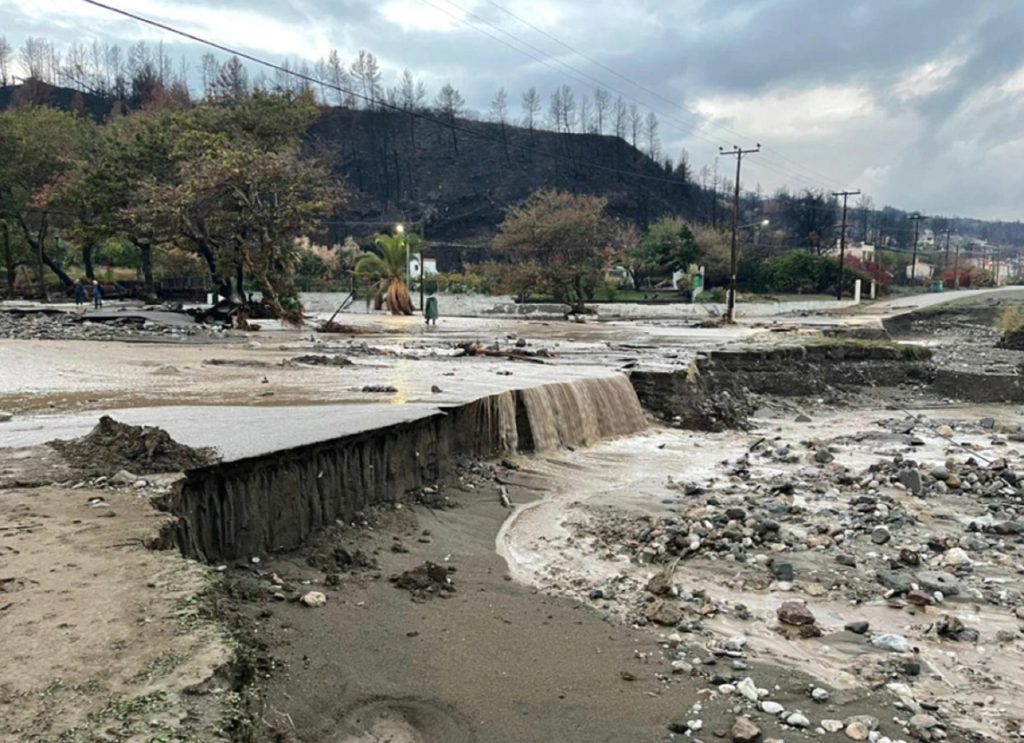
387 269
40 148
563 235
669 245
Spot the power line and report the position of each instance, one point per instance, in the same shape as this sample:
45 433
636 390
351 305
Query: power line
373 101
687 129
686 110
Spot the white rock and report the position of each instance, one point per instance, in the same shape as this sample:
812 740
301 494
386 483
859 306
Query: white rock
894 643
772 708
314 599
124 477
736 643
819 695
797 720
748 689
832 726
955 557
694 724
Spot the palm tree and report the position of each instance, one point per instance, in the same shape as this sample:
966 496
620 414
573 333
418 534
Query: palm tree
387 270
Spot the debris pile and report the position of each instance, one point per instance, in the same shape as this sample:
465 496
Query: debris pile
426 581
113 446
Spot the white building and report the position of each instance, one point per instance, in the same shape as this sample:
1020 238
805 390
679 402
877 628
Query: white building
429 266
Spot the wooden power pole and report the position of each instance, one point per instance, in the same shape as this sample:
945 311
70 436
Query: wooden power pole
842 240
730 315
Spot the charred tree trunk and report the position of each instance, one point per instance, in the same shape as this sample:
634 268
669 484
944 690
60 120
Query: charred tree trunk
146 254
87 251
37 241
8 258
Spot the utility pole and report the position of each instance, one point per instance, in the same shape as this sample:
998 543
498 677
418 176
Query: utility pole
917 221
730 316
842 239
945 263
956 267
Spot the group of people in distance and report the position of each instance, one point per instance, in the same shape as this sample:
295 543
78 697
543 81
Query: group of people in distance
81 296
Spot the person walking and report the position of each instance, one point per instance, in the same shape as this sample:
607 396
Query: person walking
97 295
79 294
430 312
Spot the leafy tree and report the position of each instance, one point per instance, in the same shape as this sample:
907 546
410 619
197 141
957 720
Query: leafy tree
387 269
669 245
563 235
40 148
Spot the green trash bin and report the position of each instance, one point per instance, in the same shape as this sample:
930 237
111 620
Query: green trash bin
937 287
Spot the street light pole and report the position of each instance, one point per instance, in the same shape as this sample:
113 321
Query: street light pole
730 314
917 221
842 240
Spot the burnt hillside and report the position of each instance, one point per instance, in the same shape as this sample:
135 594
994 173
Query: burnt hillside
454 180
458 183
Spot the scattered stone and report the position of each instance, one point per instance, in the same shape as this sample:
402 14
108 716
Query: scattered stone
823 456
857 627
783 571
952 628
747 688
880 535
798 720
745 731
771 708
123 477
892 643
5 416
857 731
832 726
314 599
795 613
380 388
938 580
820 695
663 612
911 480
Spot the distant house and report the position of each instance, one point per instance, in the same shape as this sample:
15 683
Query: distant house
861 251
924 271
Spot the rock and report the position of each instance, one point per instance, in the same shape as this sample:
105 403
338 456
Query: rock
783 571
832 726
880 535
938 580
919 598
380 388
314 599
848 560
771 708
953 629
892 643
989 423
736 643
795 613
124 477
803 418
823 456
857 731
911 479
253 346
745 731
434 389
920 725
955 557
663 612
953 481
857 627
797 720
896 580
944 431
819 695
5 416
747 688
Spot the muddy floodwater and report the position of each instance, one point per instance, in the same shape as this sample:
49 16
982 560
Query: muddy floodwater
572 541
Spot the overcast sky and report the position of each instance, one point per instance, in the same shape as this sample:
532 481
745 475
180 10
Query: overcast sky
919 103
